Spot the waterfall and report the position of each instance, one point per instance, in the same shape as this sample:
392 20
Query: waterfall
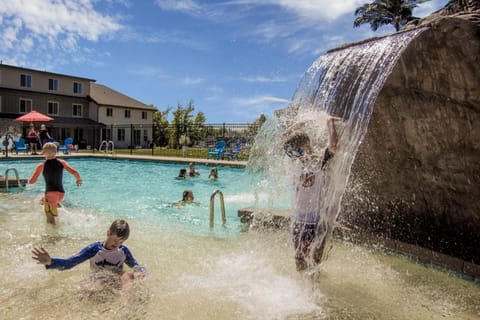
343 83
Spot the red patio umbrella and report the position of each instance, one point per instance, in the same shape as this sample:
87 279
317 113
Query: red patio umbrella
34 116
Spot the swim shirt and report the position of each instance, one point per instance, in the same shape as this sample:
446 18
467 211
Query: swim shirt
100 257
308 197
53 174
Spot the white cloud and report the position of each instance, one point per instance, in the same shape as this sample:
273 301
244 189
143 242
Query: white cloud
257 101
263 79
428 7
178 5
214 93
61 23
192 81
149 72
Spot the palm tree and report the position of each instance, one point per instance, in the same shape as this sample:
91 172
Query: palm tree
384 12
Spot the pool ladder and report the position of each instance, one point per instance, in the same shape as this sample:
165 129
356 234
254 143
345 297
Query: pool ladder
16 175
212 207
107 144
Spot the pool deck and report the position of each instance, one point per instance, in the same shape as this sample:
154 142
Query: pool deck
208 162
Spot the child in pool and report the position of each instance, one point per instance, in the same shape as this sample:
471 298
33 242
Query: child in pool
187 198
308 231
109 255
213 174
182 175
192 172
52 170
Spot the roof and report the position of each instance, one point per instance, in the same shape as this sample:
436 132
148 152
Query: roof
86 122
106 96
46 72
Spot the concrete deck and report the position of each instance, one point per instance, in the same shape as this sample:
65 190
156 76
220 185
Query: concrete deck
210 162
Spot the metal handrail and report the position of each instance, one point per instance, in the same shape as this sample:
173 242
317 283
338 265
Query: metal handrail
107 144
16 175
212 207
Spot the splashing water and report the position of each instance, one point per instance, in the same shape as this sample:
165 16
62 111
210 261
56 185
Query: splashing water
342 83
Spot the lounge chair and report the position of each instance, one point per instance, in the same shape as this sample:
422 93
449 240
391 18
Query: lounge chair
235 151
68 143
218 151
21 146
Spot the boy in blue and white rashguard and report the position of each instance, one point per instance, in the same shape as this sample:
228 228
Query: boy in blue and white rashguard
108 255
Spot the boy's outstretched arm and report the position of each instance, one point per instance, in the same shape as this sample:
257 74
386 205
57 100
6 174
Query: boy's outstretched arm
332 134
42 256
36 173
74 172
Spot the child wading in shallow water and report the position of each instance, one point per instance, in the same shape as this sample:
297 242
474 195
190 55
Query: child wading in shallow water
308 236
52 170
109 255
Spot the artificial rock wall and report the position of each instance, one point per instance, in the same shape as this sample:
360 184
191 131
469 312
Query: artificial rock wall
416 177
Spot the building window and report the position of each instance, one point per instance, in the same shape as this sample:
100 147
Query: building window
121 134
53 84
109 112
127 113
144 114
145 135
136 137
53 108
25 81
25 105
77 88
77 110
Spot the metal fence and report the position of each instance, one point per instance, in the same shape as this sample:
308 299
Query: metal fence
152 136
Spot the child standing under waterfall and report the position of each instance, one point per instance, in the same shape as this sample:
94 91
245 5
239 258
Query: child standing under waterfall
52 170
309 230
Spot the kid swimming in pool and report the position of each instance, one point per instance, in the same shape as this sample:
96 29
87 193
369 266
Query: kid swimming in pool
52 170
308 231
109 255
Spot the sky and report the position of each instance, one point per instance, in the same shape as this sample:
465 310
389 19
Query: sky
235 59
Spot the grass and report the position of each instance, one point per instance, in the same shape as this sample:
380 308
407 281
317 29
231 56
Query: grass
200 153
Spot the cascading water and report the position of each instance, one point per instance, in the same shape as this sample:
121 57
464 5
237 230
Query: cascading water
343 83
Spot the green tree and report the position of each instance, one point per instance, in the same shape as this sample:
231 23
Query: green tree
160 127
186 125
385 12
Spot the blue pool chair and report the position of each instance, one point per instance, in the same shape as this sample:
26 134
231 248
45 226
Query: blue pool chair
218 151
235 151
21 146
65 147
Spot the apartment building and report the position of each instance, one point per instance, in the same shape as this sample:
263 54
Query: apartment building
77 109
128 122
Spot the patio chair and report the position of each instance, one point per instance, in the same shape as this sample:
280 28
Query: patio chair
21 146
218 151
235 151
66 146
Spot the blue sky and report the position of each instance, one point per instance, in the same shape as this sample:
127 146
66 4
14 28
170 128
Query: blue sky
236 59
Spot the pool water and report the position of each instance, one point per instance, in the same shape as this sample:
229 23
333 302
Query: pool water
195 272
147 190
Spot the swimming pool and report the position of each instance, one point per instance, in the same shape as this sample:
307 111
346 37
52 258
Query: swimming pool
194 272
146 190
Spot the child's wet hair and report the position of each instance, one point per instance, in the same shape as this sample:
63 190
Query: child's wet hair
49 147
120 228
296 139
